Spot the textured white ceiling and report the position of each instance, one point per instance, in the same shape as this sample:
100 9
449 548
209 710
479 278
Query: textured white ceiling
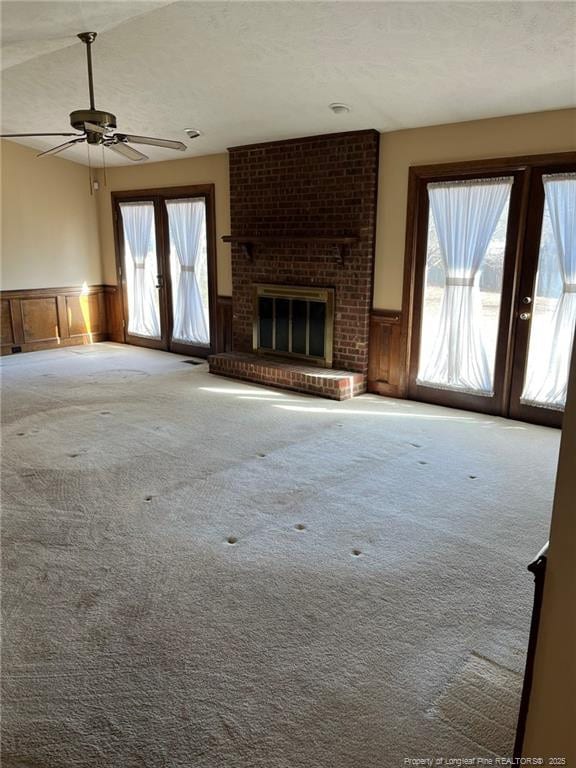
32 28
254 71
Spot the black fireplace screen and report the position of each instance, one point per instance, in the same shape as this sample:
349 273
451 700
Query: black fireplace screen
295 322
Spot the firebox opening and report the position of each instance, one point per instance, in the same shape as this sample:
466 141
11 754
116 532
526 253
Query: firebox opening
292 321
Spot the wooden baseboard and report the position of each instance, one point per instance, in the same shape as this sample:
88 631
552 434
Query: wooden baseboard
45 318
386 354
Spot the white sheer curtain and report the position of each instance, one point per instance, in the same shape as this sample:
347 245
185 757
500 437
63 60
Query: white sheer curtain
548 382
465 215
143 310
187 219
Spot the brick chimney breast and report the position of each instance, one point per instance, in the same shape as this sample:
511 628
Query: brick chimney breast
315 187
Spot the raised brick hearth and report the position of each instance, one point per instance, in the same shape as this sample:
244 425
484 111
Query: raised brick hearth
287 200
326 382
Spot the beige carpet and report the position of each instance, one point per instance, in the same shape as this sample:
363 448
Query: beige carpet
136 636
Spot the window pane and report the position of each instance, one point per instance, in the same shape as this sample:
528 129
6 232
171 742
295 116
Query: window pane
554 304
189 270
463 286
141 267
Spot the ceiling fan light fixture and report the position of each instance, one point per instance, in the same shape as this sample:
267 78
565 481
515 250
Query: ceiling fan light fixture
192 133
339 108
96 126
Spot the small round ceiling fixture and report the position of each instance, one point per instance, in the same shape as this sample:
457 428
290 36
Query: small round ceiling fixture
192 133
339 109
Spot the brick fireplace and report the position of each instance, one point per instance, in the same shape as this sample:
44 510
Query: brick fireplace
303 215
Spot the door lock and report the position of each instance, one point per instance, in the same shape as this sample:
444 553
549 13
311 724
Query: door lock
524 315
159 281
527 300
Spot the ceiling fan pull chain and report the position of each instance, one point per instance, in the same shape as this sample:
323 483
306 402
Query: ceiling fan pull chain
104 179
90 172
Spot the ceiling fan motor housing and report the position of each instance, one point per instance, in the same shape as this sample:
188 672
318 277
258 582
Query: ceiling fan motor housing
106 121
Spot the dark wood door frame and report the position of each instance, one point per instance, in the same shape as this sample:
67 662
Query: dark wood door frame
527 287
495 403
143 341
414 265
159 196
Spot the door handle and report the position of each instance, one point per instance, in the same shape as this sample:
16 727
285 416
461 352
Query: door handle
159 281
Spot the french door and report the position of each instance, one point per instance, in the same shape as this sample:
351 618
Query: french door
547 306
494 288
166 265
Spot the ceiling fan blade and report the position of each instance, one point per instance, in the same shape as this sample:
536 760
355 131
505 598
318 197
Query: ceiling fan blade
61 147
16 135
126 151
166 143
94 128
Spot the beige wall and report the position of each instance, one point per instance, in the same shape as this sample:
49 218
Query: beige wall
49 222
551 729
537 133
211 169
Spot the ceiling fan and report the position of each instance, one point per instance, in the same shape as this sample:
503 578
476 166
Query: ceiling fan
96 126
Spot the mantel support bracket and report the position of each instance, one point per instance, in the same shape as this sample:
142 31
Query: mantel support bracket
339 249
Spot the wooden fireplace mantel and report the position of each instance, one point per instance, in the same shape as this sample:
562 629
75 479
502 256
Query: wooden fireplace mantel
246 242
